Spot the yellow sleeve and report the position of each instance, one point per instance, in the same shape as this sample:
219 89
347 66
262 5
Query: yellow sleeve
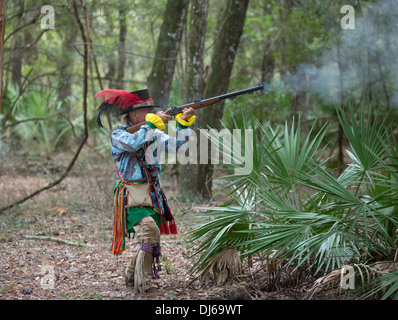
154 121
185 123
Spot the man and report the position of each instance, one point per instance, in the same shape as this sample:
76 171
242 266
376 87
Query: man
141 206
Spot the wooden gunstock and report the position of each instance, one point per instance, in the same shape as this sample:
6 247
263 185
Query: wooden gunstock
135 127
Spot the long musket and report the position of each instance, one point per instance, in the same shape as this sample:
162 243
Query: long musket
201 104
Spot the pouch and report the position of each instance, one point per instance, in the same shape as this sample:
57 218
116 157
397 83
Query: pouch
139 195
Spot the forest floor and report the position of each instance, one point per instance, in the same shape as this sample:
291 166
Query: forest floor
56 247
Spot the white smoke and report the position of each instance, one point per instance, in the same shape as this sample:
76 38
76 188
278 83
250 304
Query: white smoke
368 58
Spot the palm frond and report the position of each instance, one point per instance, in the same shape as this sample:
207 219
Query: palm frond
292 208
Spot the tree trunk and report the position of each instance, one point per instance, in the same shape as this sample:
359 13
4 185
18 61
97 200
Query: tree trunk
340 136
194 89
3 20
16 62
111 57
161 76
267 71
31 51
383 80
65 77
225 47
122 46
16 51
111 71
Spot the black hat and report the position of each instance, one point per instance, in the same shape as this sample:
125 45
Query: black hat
119 102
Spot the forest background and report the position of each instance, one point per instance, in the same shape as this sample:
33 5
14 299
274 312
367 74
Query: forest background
320 65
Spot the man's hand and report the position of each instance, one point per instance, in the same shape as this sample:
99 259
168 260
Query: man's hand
162 115
187 113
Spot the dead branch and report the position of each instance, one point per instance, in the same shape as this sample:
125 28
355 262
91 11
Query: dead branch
45 238
128 52
32 119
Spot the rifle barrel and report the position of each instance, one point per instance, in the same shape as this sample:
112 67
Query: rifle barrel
240 92
209 101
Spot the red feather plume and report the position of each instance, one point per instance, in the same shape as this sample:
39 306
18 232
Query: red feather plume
121 98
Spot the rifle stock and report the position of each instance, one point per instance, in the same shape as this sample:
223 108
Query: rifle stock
135 127
201 104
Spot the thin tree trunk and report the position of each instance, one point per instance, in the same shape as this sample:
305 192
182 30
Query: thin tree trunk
111 71
161 76
227 41
16 62
31 51
65 83
17 49
111 57
3 21
370 92
87 19
340 140
14 47
383 81
94 59
194 89
122 46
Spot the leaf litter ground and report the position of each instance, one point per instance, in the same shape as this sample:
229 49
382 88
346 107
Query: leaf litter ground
56 246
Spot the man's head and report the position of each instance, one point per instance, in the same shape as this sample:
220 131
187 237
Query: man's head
120 102
137 116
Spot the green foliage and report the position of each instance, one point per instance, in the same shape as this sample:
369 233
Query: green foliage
290 205
388 283
48 125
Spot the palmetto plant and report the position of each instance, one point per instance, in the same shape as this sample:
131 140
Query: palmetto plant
292 206
42 117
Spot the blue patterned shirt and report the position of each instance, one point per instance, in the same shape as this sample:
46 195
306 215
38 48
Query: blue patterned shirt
125 145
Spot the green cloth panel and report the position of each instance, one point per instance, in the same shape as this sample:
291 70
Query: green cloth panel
135 214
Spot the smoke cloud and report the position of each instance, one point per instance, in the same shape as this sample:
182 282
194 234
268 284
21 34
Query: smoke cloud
361 63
